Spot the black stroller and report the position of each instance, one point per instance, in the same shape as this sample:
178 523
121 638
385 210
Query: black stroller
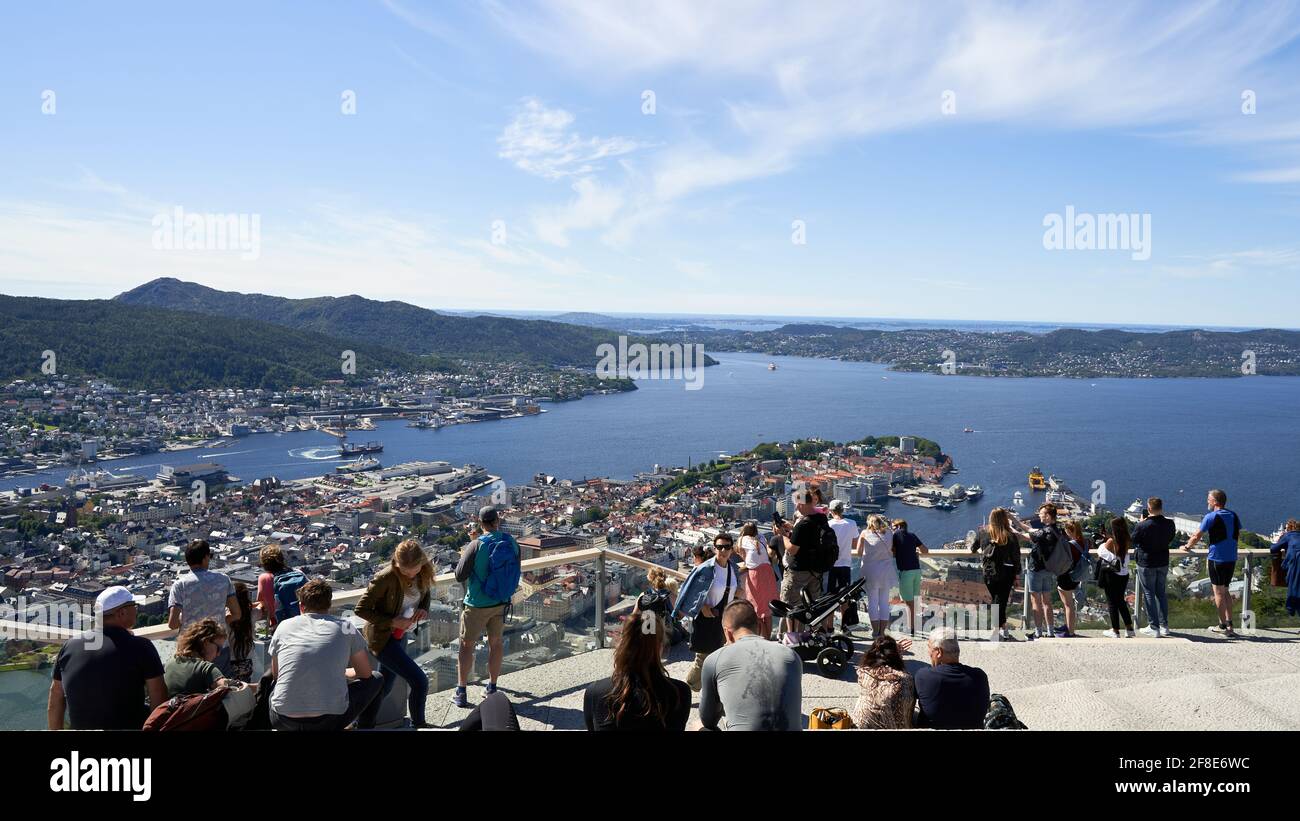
831 650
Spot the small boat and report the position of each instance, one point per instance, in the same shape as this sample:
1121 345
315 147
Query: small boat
974 492
771 366
967 430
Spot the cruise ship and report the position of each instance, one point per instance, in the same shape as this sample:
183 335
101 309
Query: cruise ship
101 479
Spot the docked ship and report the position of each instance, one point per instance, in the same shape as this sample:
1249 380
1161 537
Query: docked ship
359 466
101 479
351 449
1036 480
1055 483
425 423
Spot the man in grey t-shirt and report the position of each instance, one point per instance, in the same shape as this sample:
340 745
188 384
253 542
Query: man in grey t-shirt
755 683
310 656
203 594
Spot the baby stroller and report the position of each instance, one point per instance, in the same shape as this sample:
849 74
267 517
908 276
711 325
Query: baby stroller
831 650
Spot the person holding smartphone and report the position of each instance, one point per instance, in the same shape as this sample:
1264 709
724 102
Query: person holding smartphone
396 601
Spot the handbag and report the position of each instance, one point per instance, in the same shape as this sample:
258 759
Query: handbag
1276 575
830 718
239 703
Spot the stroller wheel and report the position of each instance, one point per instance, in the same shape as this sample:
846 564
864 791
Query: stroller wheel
844 643
831 661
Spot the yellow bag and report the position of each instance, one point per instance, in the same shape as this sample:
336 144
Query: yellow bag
829 718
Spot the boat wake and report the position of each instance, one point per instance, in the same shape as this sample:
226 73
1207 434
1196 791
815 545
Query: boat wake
316 454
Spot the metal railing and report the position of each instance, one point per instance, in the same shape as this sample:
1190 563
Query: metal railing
349 598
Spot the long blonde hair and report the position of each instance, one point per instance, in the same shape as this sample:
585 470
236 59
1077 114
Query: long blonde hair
408 554
999 526
877 523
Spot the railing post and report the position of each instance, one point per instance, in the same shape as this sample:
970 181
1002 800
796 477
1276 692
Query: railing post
1245 588
1025 594
600 601
1137 597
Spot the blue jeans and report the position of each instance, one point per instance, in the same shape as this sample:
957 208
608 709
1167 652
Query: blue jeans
394 662
1155 595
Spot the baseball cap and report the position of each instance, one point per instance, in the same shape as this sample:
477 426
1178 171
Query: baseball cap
488 514
112 598
837 505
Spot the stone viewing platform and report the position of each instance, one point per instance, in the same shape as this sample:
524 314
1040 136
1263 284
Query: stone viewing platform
1193 680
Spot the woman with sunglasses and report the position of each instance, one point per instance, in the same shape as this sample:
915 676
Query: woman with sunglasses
704 594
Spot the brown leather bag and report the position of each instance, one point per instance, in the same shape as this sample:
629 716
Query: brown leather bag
830 718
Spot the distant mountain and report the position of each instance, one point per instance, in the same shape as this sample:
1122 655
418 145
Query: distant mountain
138 346
1064 352
590 319
396 325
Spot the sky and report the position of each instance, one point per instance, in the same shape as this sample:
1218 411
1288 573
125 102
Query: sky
801 159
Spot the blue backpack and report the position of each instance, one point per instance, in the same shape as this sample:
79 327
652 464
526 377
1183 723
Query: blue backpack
286 593
503 568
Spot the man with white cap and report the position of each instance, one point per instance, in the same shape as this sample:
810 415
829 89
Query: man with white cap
101 677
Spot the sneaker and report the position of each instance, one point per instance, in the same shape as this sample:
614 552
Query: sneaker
1131 634
1229 632
1111 634
490 688
1006 635
1061 633
459 698
1030 635
1150 632
1221 629
1164 632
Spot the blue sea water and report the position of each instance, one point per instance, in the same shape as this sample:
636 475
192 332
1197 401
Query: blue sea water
1173 438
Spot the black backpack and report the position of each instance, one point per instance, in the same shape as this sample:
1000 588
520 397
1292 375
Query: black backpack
1000 716
823 557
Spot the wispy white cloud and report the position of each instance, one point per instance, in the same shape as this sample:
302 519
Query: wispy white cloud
1236 264
801 77
542 141
594 206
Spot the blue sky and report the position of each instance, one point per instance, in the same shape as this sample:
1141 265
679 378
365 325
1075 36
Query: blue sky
531 114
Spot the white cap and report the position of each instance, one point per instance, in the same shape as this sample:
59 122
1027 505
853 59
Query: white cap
112 598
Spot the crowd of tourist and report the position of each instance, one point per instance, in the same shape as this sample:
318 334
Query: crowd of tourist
327 673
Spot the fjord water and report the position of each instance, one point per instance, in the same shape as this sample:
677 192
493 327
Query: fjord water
1168 437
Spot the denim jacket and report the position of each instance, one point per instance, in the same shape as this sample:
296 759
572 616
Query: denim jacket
695 589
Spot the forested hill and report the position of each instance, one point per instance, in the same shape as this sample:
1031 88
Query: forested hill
166 350
396 325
